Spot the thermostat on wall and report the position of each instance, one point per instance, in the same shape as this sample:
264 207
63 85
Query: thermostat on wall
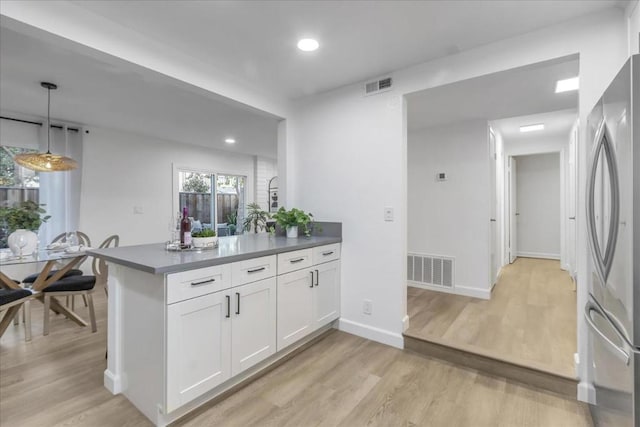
441 176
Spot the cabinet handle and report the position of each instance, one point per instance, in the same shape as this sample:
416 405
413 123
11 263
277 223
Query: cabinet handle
311 279
317 277
204 282
293 261
228 307
255 270
238 305
327 253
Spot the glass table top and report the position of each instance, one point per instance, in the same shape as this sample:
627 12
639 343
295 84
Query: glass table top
7 257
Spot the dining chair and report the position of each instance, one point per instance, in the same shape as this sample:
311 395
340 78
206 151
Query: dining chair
11 300
79 285
99 266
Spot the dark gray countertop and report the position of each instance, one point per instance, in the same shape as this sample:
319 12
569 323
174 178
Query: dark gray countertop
156 259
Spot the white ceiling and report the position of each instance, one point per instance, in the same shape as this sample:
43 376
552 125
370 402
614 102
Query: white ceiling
256 40
556 123
517 92
103 91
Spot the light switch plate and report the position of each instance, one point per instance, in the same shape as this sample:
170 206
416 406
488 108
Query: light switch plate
388 213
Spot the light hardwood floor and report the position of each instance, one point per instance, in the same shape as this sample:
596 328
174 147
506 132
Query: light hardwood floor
342 380
530 318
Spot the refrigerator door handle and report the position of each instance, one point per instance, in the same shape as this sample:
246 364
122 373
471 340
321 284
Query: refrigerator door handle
619 351
603 142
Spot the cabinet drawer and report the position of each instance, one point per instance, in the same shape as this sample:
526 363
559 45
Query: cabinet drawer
193 283
296 260
326 253
253 270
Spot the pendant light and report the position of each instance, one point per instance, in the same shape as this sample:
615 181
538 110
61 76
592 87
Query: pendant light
46 162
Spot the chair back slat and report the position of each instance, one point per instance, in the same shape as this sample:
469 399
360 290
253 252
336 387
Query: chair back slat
98 265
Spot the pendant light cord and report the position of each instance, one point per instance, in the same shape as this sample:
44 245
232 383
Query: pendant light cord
48 120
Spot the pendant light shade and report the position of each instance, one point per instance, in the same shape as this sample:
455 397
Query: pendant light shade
46 162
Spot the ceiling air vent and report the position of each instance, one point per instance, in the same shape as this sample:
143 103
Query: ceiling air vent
378 86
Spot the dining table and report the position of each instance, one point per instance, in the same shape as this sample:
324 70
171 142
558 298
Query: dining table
60 259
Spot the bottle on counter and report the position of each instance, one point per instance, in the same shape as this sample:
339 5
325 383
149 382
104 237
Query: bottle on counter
185 229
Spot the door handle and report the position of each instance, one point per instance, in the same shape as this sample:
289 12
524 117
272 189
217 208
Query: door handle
255 270
517 213
293 261
317 277
237 302
228 306
572 217
492 220
618 351
311 279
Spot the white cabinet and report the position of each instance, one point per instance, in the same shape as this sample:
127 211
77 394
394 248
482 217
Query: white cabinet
307 300
295 306
326 301
213 337
198 350
222 320
253 324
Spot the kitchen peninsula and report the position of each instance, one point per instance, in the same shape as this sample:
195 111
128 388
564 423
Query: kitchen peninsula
185 327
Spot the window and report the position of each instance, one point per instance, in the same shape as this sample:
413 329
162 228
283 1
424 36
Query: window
212 200
17 184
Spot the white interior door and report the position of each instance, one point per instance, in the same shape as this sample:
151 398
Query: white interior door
572 188
493 231
513 211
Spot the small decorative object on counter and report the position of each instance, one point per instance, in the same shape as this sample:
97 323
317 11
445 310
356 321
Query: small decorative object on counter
185 229
291 220
205 238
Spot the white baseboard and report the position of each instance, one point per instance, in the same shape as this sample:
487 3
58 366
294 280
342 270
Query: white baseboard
405 322
112 382
586 393
458 290
538 255
371 333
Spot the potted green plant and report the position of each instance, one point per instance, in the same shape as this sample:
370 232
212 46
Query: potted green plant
292 219
232 222
22 222
205 238
256 218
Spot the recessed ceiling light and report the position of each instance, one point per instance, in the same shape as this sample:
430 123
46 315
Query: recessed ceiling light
567 85
532 128
230 141
308 45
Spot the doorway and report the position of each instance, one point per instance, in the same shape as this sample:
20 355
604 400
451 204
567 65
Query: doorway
485 198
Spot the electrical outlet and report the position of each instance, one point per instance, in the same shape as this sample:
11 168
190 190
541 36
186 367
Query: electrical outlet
138 210
367 306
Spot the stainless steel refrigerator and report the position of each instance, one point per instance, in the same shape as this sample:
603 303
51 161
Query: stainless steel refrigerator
613 226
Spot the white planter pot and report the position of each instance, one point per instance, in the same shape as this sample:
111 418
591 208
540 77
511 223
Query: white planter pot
204 242
292 232
23 242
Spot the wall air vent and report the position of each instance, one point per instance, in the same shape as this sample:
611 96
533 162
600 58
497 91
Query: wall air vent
378 86
431 270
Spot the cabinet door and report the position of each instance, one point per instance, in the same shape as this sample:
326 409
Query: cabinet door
326 293
253 324
198 347
295 306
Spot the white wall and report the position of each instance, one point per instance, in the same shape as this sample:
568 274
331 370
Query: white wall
451 218
538 202
122 170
